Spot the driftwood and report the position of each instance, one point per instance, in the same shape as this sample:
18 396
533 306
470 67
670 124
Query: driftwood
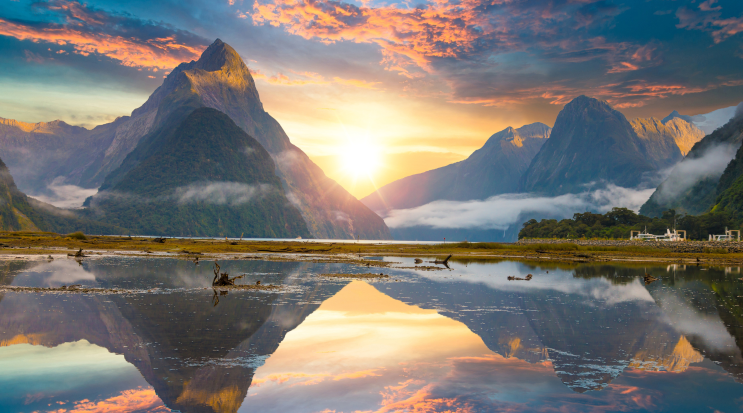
223 279
444 262
649 278
78 254
512 278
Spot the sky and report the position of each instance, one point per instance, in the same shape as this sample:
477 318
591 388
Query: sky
399 87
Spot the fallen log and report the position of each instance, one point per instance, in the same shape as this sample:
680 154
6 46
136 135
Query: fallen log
513 278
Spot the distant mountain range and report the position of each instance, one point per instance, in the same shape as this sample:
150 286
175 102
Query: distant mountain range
493 169
591 145
39 153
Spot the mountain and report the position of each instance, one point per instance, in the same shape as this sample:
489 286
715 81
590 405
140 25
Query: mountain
204 177
663 138
493 169
590 142
659 141
219 80
692 186
19 212
730 186
37 153
707 122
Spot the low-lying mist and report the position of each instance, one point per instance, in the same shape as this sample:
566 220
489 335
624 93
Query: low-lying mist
503 211
64 195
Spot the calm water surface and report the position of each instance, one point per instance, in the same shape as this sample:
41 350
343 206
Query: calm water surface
576 338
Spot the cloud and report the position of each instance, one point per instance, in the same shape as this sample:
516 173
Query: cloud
131 41
65 195
738 110
219 193
709 19
502 211
139 399
208 192
412 38
690 171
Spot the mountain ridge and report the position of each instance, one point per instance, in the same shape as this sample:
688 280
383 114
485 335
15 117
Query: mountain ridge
493 169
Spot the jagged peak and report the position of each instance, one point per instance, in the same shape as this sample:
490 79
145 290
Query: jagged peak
219 56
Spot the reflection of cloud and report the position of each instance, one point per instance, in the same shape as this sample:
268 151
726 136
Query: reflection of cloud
56 273
600 290
707 328
131 41
140 399
503 211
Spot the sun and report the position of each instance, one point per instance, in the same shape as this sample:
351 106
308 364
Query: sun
360 158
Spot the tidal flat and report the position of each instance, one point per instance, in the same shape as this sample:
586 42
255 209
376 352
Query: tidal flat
480 335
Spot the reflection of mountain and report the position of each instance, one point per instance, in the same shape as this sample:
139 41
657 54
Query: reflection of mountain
705 307
198 357
589 338
589 323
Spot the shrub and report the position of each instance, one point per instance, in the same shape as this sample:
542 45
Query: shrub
77 235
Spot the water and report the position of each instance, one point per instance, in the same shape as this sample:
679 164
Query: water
576 338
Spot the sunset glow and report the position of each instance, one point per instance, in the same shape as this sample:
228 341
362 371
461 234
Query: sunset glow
360 158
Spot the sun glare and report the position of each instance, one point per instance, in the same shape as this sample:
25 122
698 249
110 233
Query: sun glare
360 158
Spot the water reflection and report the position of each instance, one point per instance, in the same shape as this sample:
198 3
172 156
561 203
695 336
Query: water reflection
574 338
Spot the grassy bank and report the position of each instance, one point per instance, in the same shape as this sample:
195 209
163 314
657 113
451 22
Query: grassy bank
15 243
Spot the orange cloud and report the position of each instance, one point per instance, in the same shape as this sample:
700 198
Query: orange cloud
623 67
408 37
162 53
139 399
87 31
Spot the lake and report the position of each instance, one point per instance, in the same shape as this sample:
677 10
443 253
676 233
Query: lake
574 338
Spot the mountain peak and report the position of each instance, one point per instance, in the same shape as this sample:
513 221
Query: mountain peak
583 102
218 56
674 115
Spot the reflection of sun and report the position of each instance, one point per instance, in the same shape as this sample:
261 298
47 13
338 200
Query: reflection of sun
360 158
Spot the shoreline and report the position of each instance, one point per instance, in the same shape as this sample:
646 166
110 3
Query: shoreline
25 245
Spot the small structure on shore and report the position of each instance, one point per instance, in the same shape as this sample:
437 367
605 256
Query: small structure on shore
730 235
675 235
